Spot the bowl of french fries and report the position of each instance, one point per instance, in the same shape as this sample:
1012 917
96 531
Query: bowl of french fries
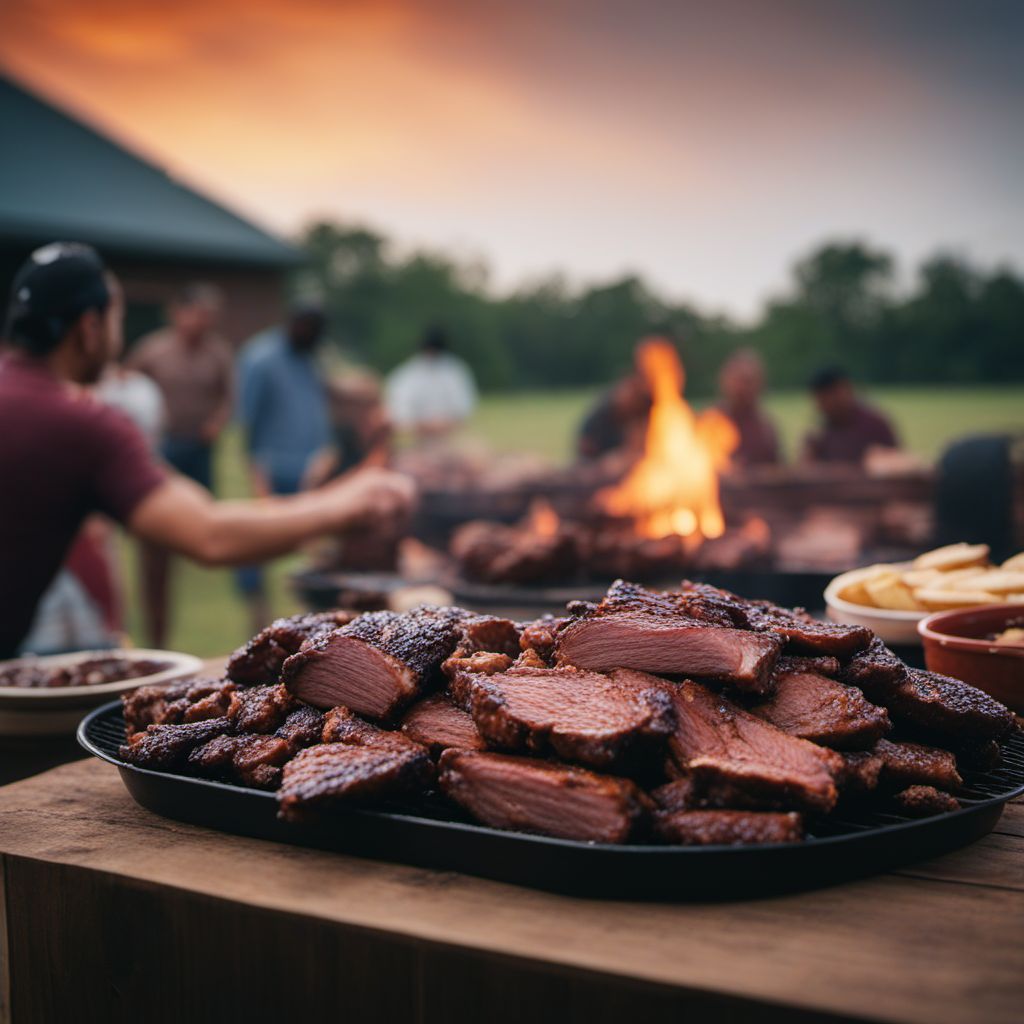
892 598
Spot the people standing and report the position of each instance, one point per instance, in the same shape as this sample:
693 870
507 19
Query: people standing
66 455
283 410
433 391
740 386
850 428
192 365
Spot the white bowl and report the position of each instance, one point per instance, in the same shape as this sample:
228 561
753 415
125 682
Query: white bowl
894 627
56 711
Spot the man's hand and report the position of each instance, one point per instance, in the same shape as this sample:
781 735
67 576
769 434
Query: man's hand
372 495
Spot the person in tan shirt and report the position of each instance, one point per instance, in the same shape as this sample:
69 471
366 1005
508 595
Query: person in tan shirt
193 366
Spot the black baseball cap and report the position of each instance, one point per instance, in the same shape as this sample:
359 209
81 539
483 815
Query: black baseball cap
54 287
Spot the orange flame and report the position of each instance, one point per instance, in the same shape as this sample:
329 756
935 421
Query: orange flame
673 489
542 519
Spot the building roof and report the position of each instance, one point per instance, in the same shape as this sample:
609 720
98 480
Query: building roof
61 179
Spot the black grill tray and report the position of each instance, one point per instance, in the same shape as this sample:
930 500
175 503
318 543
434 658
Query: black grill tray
429 835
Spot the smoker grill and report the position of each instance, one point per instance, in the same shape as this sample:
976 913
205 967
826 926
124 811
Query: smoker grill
434 835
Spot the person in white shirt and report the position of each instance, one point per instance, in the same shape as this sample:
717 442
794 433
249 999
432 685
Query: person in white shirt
433 392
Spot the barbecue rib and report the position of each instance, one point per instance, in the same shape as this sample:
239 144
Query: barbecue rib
382 661
819 709
163 747
924 801
645 630
909 764
736 759
334 773
438 724
728 828
602 721
259 708
169 703
537 796
259 661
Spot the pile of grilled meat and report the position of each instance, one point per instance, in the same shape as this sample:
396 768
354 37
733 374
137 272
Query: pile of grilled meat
691 716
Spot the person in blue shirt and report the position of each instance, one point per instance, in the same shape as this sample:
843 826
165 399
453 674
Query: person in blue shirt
283 410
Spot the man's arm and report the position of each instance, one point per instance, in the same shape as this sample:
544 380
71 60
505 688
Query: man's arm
182 516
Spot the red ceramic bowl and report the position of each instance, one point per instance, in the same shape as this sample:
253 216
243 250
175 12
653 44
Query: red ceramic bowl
956 644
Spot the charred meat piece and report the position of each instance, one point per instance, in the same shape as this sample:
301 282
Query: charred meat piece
822 664
484 662
909 764
540 636
342 726
538 796
497 553
382 661
802 633
738 760
341 773
251 760
819 709
191 701
875 670
439 725
678 795
259 662
860 773
728 828
259 708
924 801
979 756
593 719
163 747
641 629
301 728
947 709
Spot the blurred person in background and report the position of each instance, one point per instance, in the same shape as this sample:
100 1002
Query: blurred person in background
850 430
284 414
433 392
617 421
66 455
192 366
740 386
83 608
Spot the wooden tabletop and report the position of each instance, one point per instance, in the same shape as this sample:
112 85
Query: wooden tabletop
938 942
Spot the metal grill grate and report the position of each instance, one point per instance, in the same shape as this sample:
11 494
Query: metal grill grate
105 732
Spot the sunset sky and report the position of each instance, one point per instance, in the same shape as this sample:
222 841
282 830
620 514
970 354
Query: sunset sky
704 145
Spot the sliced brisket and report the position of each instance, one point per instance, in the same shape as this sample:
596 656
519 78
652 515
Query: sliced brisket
908 764
251 760
339 773
259 661
382 661
738 760
438 724
860 773
164 747
193 700
538 796
301 728
649 631
817 708
259 708
728 828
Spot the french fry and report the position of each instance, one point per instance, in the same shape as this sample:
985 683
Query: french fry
953 556
956 577
995 581
914 578
854 588
1014 564
889 592
1015 635
939 600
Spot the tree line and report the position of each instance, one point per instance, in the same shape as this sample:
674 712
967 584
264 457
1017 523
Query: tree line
956 323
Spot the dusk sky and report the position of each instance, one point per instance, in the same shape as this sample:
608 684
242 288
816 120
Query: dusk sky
705 146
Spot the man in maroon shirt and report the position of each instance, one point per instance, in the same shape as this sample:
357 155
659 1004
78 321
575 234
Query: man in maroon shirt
64 455
850 429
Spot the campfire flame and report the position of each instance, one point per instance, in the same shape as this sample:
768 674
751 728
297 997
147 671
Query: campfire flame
542 520
673 489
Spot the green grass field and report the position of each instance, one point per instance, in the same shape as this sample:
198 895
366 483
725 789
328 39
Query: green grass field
210 619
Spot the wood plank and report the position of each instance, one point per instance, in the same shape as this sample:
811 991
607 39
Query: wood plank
5 955
852 949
